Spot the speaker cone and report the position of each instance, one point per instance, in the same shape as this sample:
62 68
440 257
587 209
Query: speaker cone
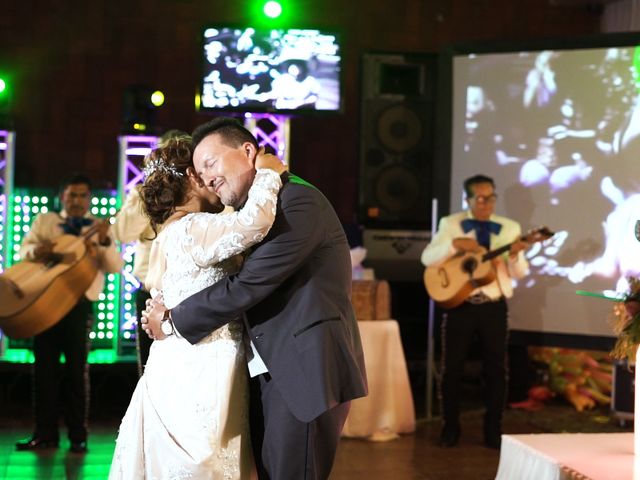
397 189
399 128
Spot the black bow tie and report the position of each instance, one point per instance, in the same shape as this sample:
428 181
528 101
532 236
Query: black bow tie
73 225
483 229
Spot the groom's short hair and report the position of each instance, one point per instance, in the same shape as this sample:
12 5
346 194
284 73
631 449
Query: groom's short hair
230 129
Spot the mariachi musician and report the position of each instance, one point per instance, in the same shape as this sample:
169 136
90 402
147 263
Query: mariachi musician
71 334
484 312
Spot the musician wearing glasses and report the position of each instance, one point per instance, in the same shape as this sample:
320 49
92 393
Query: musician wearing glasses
70 335
478 308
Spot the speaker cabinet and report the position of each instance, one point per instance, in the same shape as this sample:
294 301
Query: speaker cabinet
623 391
394 255
396 140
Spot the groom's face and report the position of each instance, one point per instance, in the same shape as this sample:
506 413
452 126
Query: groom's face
227 170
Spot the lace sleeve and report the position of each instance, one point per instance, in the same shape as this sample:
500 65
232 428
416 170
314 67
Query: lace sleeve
211 238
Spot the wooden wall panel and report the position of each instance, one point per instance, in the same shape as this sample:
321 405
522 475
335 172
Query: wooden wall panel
72 60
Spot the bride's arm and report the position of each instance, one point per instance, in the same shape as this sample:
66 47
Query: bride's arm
211 238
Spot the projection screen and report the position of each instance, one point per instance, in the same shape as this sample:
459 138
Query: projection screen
559 131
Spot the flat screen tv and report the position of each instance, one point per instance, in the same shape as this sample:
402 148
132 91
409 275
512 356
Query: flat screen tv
270 70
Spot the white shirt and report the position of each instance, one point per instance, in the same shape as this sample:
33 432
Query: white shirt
132 225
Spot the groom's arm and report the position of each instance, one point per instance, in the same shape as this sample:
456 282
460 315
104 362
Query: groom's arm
293 237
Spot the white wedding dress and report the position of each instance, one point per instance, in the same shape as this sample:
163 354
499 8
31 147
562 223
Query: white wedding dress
188 417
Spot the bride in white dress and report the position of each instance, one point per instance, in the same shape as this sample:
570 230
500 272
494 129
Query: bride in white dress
188 417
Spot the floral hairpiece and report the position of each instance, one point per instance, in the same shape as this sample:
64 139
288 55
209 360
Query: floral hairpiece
160 165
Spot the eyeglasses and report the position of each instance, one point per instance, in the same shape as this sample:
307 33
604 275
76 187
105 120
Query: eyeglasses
485 198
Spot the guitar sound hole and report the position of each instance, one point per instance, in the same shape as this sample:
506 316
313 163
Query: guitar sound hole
469 265
53 259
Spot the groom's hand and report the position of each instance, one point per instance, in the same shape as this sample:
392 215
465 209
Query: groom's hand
152 318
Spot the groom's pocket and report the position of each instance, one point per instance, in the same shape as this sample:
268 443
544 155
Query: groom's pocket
319 335
314 325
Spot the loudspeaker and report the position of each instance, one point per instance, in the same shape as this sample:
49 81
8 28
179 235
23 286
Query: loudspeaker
394 255
396 140
623 390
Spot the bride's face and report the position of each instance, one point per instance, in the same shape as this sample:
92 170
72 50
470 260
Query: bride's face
211 202
208 198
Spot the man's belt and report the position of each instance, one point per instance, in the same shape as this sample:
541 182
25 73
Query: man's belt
480 298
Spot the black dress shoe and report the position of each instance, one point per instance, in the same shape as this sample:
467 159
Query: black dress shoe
36 443
78 447
449 436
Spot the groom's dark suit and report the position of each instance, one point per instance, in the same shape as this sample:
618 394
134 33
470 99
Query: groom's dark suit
295 291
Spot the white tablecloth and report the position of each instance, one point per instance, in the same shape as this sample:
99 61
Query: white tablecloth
388 409
583 456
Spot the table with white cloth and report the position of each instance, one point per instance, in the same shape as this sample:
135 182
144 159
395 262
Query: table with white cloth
388 409
562 456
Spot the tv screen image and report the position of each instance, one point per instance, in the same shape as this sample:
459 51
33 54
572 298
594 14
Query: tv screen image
277 70
559 131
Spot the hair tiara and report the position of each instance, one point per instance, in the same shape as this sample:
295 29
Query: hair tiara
160 165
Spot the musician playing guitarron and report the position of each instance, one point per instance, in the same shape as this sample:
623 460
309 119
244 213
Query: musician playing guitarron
482 311
70 335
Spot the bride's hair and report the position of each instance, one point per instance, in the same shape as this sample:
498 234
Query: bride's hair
166 183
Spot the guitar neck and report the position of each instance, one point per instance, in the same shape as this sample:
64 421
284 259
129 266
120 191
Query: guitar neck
496 252
93 229
499 251
537 235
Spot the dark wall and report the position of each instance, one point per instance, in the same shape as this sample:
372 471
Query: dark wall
71 61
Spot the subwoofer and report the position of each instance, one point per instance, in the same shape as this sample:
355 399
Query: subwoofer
396 140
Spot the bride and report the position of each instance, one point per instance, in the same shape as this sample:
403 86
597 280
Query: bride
188 416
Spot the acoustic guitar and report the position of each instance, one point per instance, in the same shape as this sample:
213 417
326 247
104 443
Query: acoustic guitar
38 294
451 283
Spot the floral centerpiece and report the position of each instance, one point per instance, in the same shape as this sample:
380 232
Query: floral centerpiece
625 320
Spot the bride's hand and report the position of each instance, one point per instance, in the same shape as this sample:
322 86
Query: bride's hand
152 318
267 160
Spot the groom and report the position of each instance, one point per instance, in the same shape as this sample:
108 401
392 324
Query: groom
306 359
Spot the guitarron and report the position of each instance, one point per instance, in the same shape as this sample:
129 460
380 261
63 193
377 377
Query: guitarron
450 283
38 294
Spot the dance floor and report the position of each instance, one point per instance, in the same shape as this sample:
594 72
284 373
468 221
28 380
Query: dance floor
410 457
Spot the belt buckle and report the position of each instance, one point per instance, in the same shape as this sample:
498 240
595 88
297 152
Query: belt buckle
478 299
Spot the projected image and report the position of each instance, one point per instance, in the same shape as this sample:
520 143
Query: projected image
270 70
559 130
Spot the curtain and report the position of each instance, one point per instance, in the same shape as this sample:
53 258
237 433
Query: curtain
621 16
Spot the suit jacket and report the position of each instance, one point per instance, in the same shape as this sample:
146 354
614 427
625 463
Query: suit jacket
295 290
441 249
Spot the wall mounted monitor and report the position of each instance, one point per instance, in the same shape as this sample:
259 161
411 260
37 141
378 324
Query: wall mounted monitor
277 70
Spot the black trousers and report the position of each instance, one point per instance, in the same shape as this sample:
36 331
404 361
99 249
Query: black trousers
143 342
488 322
284 447
65 388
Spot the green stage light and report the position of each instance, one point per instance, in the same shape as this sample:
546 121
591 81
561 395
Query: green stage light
272 9
157 98
3 86
108 333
